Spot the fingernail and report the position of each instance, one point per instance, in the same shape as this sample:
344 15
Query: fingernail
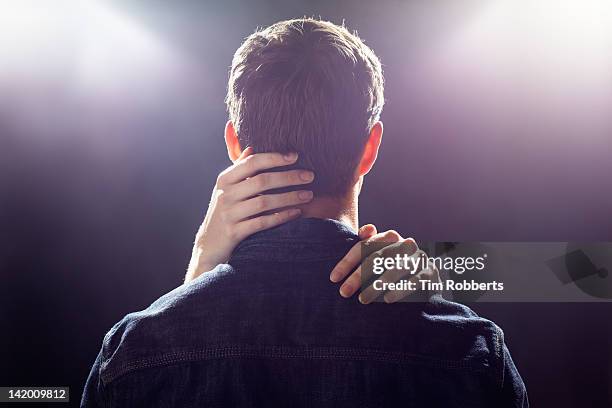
290 157
307 175
334 277
345 291
361 299
305 195
294 211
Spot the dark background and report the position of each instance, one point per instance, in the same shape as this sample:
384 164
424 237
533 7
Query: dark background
497 127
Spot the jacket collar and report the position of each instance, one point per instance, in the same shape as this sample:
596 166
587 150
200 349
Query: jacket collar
303 239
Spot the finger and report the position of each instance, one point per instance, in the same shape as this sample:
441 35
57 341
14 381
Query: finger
346 264
393 296
358 252
226 177
245 153
369 294
404 247
416 258
253 225
352 284
367 231
427 274
250 165
267 202
268 181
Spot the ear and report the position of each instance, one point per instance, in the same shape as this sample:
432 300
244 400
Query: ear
370 152
231 141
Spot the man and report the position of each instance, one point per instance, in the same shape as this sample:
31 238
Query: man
265 327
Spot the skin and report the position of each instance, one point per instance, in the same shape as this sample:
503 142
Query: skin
238 209
236 205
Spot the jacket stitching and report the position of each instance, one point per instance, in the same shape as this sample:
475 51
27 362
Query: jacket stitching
110 374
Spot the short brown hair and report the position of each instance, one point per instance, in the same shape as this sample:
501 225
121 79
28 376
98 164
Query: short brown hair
311 87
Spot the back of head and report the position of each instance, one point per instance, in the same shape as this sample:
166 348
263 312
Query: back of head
311 87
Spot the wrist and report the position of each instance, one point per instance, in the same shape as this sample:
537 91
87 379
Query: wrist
198 264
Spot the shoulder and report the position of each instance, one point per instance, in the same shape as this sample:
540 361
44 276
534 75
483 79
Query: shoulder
460 330
134 341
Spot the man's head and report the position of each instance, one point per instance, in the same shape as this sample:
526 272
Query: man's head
310 87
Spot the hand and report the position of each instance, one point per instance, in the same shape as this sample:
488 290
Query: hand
355 256
237 209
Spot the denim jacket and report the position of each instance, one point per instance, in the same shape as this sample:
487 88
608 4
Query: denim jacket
269 329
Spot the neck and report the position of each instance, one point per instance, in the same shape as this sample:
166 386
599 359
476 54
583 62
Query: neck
343 209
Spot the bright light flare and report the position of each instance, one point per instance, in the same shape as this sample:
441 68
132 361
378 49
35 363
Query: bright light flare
86 40
568 36
532 66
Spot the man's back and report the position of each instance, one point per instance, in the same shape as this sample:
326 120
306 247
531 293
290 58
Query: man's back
268 329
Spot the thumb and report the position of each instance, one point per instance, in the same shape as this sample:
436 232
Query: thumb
245 153
367 231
